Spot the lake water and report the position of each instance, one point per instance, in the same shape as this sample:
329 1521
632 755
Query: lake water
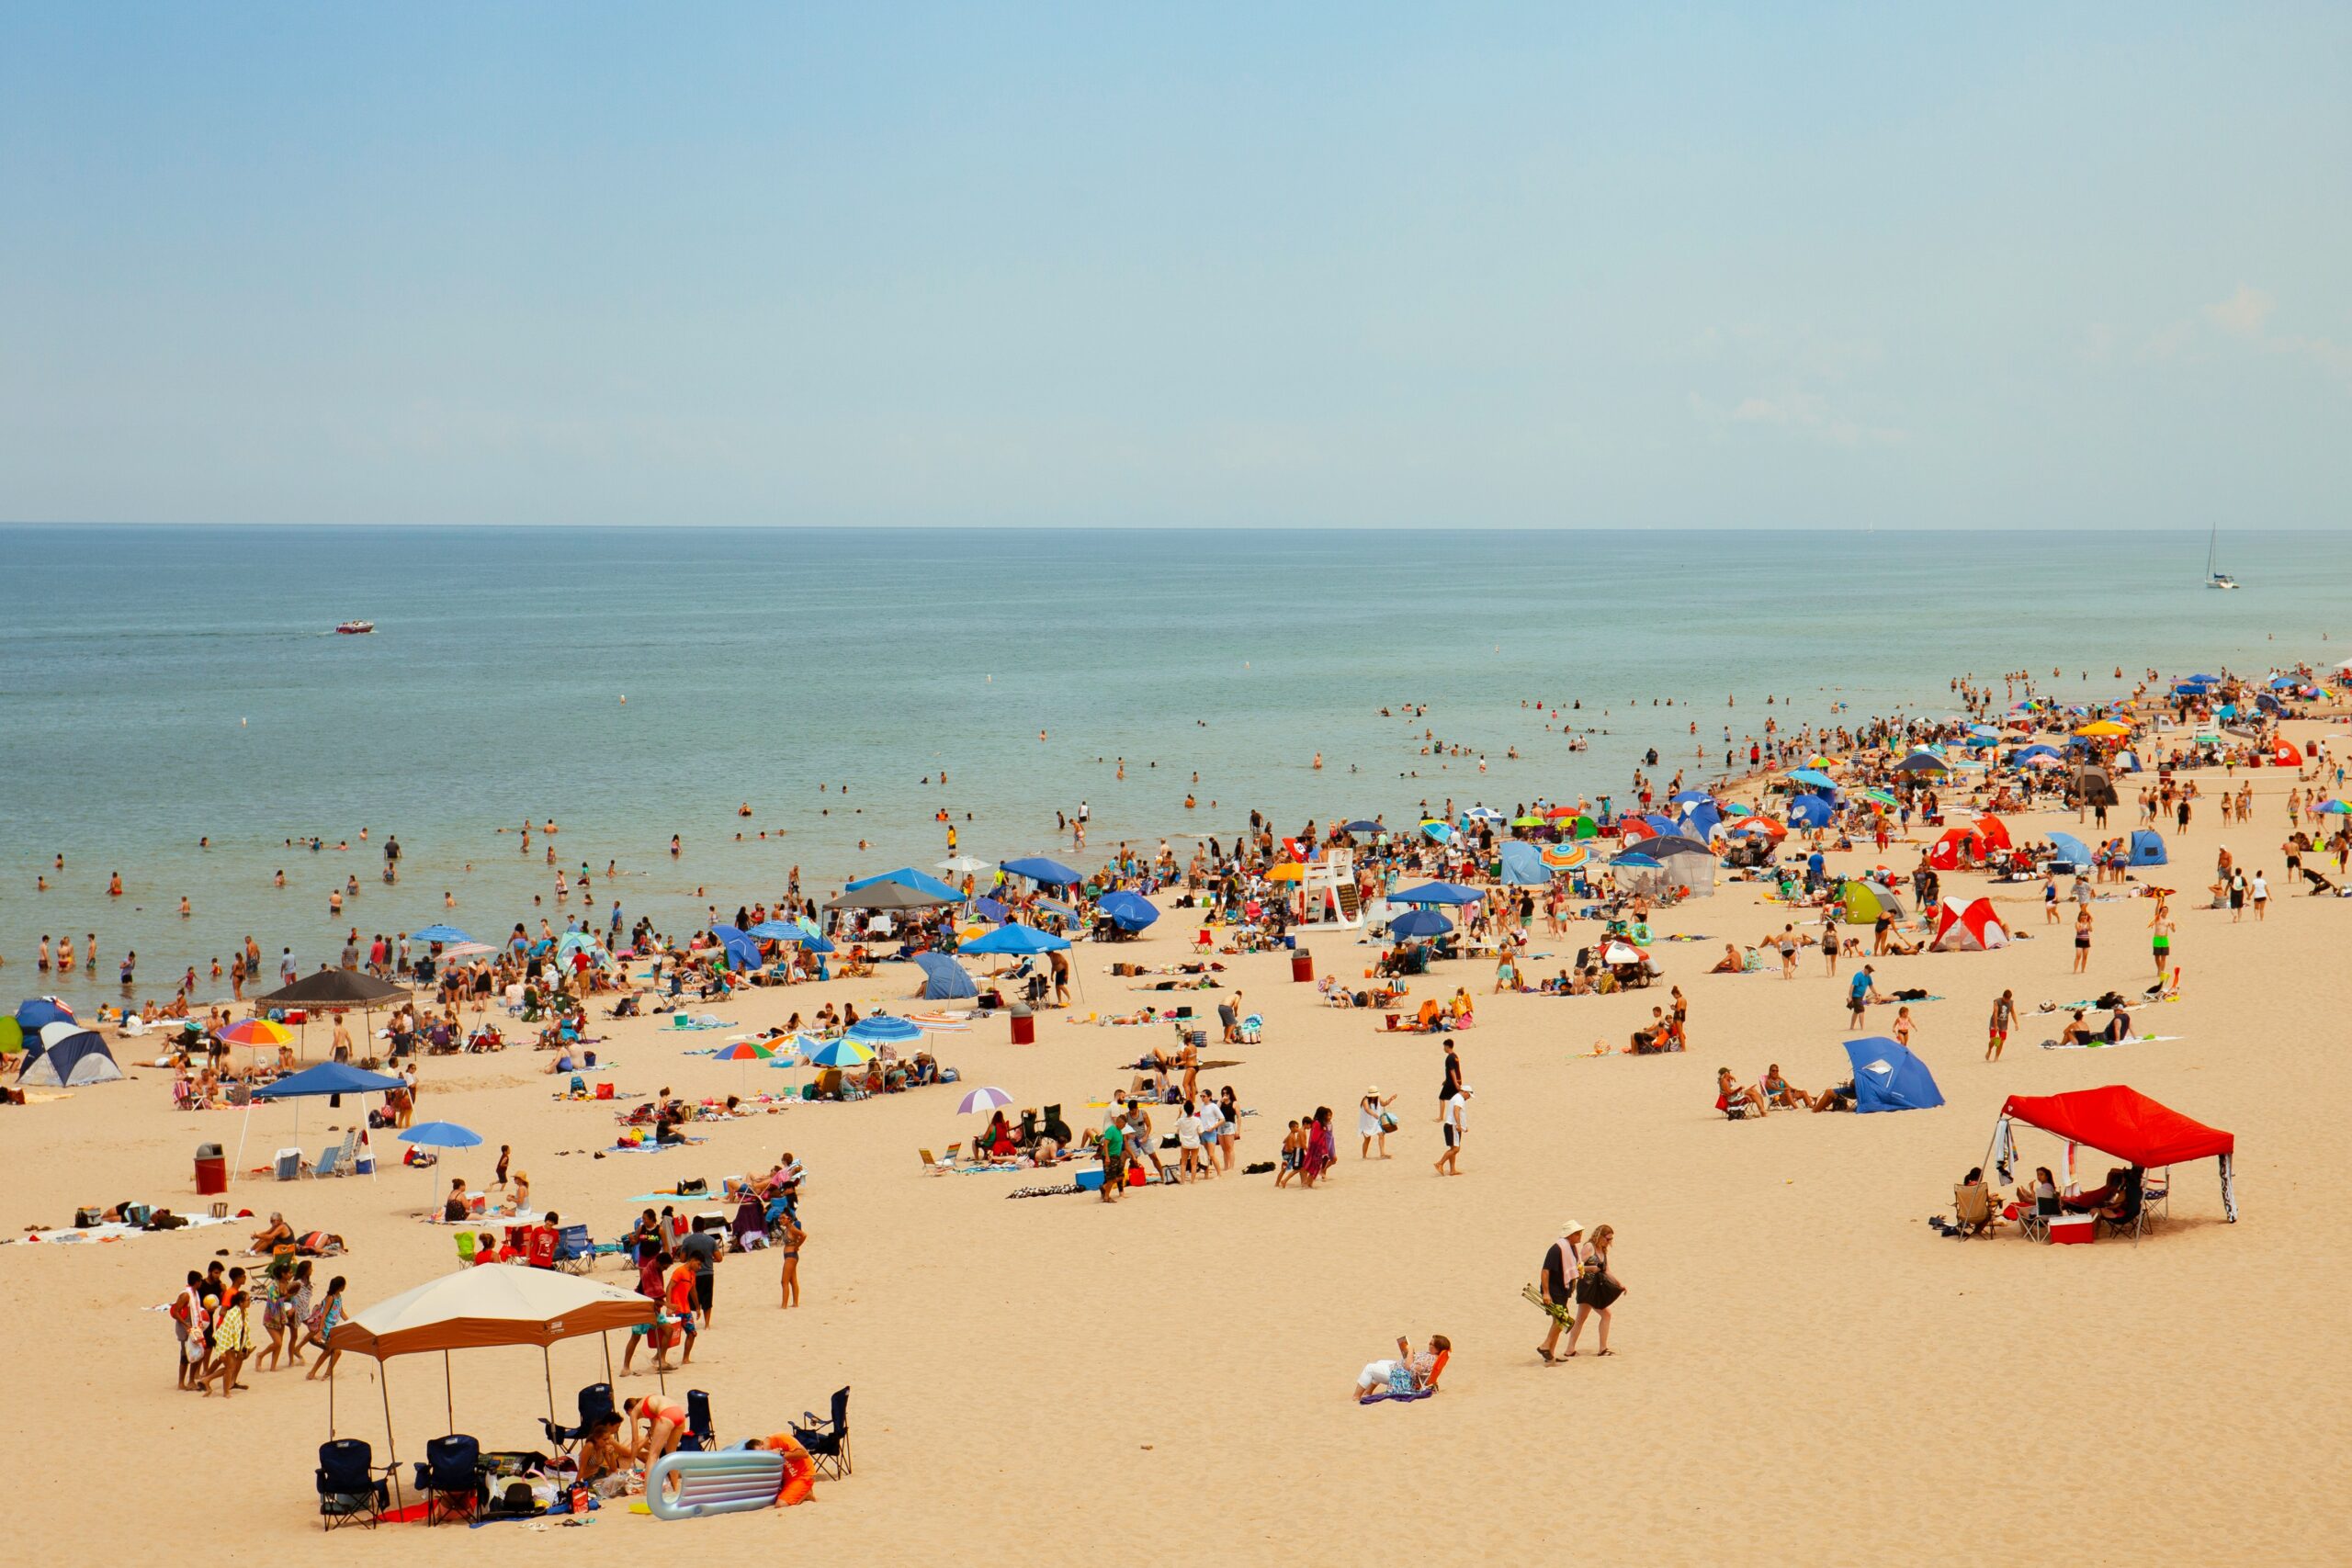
160 685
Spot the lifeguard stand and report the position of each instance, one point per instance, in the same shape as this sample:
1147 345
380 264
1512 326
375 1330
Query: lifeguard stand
1326 891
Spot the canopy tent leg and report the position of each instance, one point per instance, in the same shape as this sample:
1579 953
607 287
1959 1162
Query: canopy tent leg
449 1391
547 1365
330 1403
608 1337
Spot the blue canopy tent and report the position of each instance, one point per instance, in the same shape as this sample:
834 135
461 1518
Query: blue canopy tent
1012 936
326 1079
908 876
1420 923
1523 866
2148 848
1808 811
943 978
1887 1077
1438 893
64 1054
1130 911
1045 872
2071 850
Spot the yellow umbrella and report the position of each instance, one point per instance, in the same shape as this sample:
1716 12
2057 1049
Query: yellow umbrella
2103 727
1289 871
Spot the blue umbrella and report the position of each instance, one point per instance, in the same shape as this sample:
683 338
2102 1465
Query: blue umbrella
991 911
882 1029
1012 936
842 1053
1809 811
776 931
1360 825
1691 797
1439 893
1130 911
1813 776
446 935
741 952
1038 869
441 1135
943 978
1636 859
1419 922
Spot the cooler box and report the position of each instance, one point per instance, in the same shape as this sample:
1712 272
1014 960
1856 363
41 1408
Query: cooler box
1090 1180
2073 1230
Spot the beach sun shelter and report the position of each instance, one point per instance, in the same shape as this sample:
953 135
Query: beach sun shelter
1889 1077
2120 1122
2148 848
1971 928
479 1308
1864 903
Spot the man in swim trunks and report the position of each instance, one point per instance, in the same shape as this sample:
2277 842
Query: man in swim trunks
2005 1015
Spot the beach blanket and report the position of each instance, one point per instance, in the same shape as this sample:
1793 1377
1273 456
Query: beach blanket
697 1021
649 1147
2107 1044
113 1230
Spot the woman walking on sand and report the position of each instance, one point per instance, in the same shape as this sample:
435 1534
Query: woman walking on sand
1372 1120
1597 1289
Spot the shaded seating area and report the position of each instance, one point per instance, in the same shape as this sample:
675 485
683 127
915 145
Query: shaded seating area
2120 1122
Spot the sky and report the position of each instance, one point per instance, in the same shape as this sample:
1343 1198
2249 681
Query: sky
1193 265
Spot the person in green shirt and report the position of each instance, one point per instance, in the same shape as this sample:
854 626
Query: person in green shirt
1113 1148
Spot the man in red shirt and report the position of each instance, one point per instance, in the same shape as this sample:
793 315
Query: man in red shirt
679 1291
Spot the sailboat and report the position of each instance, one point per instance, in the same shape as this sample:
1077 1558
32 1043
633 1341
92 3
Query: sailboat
2216 579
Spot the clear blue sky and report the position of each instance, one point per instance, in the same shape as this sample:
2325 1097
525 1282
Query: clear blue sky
1247 265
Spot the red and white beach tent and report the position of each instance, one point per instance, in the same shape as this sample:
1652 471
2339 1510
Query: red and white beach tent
2284 755
1972 928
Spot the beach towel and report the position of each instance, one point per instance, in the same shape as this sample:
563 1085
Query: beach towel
2107 1044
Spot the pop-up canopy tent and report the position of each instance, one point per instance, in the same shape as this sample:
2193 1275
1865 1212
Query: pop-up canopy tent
1682 862
65 1055
1972 928
2148 848
1012 936
887 894
335 988
327 1078
1045 872
1438 893
2120 1122
943 978
496 1303
908 876
1887 1077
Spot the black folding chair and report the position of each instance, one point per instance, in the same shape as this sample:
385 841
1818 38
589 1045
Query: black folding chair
701 1437
827 1440
451 1478
595 1405
353 1489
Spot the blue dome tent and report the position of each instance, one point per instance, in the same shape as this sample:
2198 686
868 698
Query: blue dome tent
1887 1077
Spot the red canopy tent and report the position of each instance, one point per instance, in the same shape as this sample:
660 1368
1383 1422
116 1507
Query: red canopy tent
2126 1124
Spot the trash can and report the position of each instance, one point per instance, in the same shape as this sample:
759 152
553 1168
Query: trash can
212 1169
1301 966
1024 1024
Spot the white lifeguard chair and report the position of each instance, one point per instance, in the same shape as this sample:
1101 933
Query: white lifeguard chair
1326 891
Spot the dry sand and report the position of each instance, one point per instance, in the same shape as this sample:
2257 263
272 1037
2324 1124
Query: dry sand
1806 1372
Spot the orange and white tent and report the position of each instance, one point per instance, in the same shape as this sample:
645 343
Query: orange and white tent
2284 755
1993 831
1971 929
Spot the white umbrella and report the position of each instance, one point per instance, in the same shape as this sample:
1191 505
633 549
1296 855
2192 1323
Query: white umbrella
963 862
983 1099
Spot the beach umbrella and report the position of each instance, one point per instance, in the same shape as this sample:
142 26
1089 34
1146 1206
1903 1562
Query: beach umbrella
1288 871
1616 952
1527 821
1360 825
842 1053
1808 811
983 1099
942 979
883 1029
1692 797
1442 832
1813 776
961 864
1420 923
1439 893
2335 809
1130 911
1563 857
443 935
1880 798
2104 727
743 1050
1047 873
942 1022
776 931
463 950
1012 936
259 1032
441 1135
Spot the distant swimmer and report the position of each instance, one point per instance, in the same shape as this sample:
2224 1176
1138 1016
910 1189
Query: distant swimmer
1318 761
114 885
744 809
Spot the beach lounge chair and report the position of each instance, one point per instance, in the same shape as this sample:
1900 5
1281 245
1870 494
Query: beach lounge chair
353 1489
338 1161
595 1404
465 1248
934 1166
827 1440
449 1478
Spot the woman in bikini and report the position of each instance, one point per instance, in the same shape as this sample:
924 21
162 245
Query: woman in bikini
789 1240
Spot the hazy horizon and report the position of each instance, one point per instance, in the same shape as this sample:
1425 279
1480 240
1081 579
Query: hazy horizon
1042 266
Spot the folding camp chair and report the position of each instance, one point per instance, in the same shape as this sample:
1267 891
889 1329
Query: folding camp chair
700 1437
451 1478
575 1253
595 1404
466 1249
2034 1222
827 1440
352 1488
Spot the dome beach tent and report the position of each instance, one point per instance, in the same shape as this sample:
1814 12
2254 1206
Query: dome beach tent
67 1055
2120 1122
1971 929
2069 851
1958 847
2148 848
943 978
1864 903
1887 1077
1682 862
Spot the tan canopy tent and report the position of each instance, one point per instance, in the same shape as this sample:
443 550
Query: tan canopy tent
490 1304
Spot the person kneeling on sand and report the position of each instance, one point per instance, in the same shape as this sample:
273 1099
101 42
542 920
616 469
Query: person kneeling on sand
1408 1376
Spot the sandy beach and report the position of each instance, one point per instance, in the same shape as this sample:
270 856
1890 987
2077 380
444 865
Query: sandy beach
1805 1371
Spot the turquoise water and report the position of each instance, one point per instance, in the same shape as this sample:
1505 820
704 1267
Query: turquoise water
158 686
